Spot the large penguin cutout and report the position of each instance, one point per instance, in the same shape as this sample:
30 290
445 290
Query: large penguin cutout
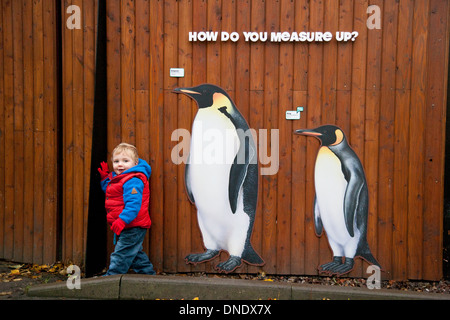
221 177
341 202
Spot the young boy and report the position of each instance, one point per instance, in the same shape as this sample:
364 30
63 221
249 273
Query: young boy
126 202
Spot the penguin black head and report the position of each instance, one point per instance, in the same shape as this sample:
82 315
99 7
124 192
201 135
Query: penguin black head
329 135
202 94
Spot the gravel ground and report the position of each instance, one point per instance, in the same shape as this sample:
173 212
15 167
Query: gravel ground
442 286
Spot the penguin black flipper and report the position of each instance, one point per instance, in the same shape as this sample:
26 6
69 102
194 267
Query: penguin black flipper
356 187
351 207
188 184
317 220
237 176
239 169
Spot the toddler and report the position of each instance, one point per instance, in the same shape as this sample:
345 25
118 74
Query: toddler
126 202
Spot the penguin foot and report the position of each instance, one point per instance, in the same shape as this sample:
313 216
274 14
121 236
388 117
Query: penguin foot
228 266
337 267
328 267
346 267
201 257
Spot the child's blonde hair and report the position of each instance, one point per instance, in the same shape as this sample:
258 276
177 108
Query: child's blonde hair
126 147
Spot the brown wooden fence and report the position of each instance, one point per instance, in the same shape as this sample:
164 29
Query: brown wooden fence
28 131
387 90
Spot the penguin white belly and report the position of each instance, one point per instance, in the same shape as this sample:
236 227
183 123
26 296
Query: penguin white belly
330 187
214 145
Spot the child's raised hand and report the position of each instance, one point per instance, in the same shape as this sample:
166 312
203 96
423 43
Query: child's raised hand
103 170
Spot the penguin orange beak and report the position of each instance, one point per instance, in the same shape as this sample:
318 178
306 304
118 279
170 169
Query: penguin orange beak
308 133
186 91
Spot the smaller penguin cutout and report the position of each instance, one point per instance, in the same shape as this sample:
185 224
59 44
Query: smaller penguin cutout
222 184
341 201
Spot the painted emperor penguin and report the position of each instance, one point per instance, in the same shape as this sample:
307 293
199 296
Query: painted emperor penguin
341 202
221 177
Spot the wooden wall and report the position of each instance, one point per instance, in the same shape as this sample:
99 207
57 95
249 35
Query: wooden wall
387 90
28 131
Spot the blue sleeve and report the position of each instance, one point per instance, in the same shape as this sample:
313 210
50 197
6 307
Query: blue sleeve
132 199
104 184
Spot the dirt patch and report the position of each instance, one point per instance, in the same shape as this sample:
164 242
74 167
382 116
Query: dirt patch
16 278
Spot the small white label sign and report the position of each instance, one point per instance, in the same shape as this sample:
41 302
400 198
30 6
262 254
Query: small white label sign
176 72
292 115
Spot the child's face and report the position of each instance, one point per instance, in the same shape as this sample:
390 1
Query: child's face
122 162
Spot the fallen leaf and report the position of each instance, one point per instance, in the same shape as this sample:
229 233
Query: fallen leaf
15 266
15 272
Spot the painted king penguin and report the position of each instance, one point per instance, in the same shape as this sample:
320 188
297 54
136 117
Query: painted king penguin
221 178
341 202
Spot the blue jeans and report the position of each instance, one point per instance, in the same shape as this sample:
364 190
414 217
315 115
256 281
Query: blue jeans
128 254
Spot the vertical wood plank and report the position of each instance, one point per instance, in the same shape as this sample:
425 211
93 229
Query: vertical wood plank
185 216
358 96
28 131
67 137
301 53
271 63
228 58
38 72
401 141
344 68
90 37
434 151
170 124
77 119
17 153
256 113
156 133
127 63
386 139
284 177
143 86
50 133
371 149
416 192
313 116
2 136
8 129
